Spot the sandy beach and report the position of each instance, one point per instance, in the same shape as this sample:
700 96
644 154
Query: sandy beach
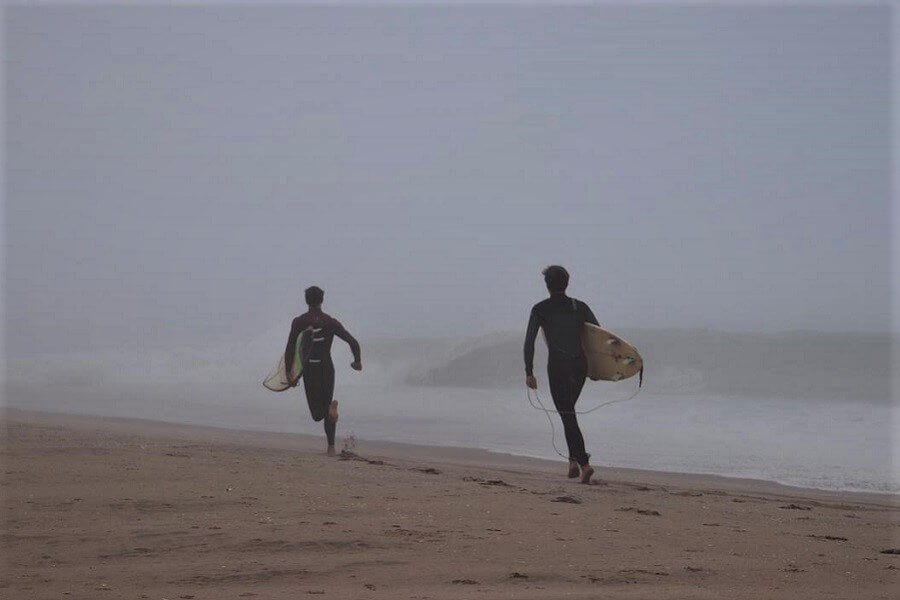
113 508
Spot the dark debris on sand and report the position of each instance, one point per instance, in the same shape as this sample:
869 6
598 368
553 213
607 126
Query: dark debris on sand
795 507
348 455
640 511
567 499
427 470
494 482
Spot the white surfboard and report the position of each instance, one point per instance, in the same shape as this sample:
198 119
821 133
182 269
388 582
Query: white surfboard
277 380
609 356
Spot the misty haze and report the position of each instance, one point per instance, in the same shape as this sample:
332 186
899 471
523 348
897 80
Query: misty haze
717 183
272 273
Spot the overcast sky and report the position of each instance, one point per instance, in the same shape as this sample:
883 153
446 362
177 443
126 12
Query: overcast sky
178 175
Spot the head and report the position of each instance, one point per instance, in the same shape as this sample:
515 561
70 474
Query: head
314 296
556 278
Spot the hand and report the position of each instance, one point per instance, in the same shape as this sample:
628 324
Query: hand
292 382
356 365
531 381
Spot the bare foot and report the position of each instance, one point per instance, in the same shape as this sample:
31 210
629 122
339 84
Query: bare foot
586 472
331 451
332 411
574 469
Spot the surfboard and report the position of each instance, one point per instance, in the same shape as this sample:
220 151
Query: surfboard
609 356
277 380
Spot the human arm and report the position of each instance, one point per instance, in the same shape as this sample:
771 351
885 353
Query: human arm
289 350
589 315
534 323
342 333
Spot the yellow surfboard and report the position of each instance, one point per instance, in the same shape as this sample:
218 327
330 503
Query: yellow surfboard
609 356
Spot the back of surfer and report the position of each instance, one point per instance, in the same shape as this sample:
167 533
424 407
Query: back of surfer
318 369
562 319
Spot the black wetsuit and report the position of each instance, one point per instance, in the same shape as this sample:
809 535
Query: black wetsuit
562 319
318 369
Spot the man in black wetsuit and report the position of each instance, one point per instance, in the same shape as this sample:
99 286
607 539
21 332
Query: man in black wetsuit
318 370
562 319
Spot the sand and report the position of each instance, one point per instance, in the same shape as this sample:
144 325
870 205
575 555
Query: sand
112 508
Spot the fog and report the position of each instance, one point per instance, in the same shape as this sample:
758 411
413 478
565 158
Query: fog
178 176
717 180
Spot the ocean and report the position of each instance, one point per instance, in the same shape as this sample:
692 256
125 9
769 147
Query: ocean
834 445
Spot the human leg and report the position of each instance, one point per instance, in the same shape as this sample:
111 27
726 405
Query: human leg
330 406
565 386
318 381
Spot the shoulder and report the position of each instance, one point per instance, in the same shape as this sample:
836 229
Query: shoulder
332 322
582 306
539 309
302 322
541 305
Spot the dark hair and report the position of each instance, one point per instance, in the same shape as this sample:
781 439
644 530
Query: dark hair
556 278
314 296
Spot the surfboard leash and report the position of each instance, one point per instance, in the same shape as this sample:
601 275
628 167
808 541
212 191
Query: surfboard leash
547 414
547 411
537 397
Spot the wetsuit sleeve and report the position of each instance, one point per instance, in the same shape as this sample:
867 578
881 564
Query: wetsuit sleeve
345 335
589 315
534 323
289 349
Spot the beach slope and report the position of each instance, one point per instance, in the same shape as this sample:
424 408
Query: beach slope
110 508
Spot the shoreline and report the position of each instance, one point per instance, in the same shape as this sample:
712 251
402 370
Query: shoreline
456 455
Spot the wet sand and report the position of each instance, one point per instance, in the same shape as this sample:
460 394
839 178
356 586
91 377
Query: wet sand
113 508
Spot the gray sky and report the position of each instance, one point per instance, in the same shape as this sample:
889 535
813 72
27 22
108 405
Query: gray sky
178 176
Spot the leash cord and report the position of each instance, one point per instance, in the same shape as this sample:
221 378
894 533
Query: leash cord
547 412
537 397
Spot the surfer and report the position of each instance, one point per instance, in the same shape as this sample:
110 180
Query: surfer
562 318
318 370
